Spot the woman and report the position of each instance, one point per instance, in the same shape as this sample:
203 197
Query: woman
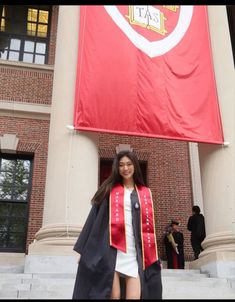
118 243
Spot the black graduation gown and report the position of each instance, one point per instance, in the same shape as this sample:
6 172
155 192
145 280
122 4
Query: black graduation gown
171 254
196 224
96 267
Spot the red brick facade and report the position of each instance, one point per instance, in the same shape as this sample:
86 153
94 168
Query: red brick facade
33 139
30 84
168 170
26 85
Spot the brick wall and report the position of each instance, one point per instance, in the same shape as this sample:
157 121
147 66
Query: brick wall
53 33
33 139
31 85
25 85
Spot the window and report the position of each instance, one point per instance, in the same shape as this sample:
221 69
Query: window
24 33
15 185
231 22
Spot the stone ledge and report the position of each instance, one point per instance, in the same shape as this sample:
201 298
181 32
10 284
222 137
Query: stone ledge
216 264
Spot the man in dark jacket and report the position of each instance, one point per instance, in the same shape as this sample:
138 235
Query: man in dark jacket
196 225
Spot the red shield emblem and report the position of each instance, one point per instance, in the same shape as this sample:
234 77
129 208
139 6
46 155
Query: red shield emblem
154 29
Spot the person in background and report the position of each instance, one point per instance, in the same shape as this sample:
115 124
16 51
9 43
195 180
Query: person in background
196 225
169 231
117 245
174 246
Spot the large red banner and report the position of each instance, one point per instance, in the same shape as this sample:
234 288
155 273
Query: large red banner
147 70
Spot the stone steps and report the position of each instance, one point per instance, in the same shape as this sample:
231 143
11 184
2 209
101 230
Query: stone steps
177 284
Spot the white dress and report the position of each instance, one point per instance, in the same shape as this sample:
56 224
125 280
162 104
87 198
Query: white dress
126 263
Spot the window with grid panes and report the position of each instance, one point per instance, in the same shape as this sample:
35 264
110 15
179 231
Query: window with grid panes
15 187
24 33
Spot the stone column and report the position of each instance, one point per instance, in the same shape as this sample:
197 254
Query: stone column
72 168
195 175
218 162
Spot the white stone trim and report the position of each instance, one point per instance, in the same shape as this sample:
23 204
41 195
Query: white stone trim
9 143
26 65
195 175
122 147
23 109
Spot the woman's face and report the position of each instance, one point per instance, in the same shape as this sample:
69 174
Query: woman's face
126 168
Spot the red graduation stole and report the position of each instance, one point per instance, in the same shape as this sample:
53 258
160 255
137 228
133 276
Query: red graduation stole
117 222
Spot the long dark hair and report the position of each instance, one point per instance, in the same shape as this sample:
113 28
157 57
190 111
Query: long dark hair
196 209
115 177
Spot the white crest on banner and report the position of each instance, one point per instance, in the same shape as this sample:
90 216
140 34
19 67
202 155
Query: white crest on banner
153 48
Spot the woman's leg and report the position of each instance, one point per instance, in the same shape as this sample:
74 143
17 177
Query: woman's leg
133 288
116 291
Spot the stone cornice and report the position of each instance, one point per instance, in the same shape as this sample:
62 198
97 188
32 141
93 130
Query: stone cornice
25 110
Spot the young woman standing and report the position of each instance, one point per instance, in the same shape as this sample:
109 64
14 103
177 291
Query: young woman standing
118 244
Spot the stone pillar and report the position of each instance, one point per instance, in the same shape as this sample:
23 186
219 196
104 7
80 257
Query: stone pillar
218 162
195 175
72 167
